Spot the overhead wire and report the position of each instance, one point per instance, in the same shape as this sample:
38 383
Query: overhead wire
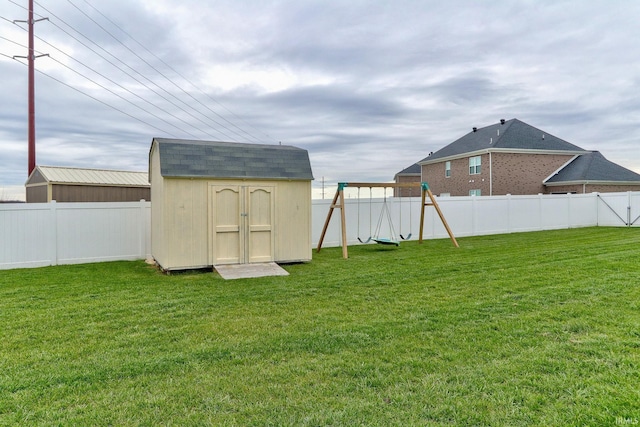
84 93
138 72
120 86
158 71
183 77
96 99
120 68
246 134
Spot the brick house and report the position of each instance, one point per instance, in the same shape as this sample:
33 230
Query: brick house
411 174
512 157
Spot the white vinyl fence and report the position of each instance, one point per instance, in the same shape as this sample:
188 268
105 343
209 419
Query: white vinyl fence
41 234
34 235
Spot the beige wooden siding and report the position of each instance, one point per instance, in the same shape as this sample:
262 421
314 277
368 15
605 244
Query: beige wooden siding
185 237
158 241
186 225
293 221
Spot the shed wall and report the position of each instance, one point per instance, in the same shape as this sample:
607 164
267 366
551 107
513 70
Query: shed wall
182 219
158 239
95 193
37 193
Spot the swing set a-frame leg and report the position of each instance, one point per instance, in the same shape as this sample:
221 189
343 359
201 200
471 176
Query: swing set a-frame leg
343 222
426 191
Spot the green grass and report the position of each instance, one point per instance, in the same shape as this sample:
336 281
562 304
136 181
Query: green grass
509 330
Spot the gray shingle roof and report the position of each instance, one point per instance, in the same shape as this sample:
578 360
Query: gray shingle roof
593 166
213 159
414 169
513 134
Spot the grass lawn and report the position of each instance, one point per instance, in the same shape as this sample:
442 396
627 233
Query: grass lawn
509 330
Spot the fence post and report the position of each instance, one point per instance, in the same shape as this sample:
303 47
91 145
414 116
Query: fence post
508 212
628 208
540 212
53 226
142 246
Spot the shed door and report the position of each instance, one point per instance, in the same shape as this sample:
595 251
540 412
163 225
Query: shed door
260 224
226 207
242 219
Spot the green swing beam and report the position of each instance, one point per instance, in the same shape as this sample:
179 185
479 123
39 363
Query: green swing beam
338 203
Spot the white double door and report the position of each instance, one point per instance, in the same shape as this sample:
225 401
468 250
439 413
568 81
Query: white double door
242 218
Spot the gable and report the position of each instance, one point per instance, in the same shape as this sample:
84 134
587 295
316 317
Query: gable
214 159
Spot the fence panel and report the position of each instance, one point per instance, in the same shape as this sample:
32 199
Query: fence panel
34 235
26 236
88 232
613 209
41 234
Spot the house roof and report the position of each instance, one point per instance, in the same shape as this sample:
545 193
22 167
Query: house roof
215 159
414 169
511 135
592 166
65 175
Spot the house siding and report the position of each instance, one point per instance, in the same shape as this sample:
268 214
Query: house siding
407 192
501 173
519 174
460 182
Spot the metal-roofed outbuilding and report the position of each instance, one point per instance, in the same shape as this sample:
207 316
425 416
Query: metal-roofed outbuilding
65 184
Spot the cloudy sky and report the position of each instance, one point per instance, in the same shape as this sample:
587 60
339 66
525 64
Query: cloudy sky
368 87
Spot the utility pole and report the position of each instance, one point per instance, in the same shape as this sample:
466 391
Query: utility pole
31 91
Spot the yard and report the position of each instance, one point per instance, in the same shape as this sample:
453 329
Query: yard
519 329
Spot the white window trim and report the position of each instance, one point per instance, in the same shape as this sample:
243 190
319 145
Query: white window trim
477 167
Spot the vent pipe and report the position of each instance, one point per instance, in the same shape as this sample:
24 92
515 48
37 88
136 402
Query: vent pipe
502 121
475 129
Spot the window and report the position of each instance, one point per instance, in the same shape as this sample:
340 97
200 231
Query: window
474 165
447 169
474 192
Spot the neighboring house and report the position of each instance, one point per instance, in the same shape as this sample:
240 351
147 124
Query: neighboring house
410 174
47 183
512 157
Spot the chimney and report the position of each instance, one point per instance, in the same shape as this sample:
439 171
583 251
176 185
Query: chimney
502 121
475 129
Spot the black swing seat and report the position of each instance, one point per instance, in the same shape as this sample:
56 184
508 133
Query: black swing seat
364 241
405 238
383 241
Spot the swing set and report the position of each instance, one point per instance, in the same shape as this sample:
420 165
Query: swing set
338 203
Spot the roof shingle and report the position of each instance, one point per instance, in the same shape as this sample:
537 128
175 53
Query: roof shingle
513 134
593 166
215 159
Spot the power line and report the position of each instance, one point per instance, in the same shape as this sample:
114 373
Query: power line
123 98
118 85
170 68
131 68
98 100
136 79
90 96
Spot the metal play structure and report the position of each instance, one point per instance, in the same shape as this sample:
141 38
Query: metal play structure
338 203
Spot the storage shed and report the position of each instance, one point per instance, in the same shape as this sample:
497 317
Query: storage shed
218 203
63 184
